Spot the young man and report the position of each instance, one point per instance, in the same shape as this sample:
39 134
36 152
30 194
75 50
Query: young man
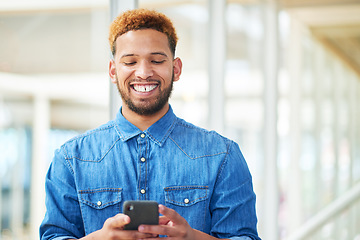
199 178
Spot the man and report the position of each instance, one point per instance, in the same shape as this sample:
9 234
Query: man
199 178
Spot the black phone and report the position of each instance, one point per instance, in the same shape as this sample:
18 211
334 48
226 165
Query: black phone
141 212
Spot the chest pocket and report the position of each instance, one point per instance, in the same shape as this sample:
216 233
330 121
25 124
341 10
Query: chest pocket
185 195
191 202
97 205
100 198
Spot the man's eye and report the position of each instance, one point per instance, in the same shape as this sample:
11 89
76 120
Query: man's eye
158 62
129 63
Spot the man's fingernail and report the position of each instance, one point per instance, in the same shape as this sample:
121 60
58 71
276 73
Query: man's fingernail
127 219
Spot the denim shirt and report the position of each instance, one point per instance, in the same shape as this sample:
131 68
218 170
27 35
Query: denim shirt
198 173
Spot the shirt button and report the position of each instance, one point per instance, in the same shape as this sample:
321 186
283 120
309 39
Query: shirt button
186 200
99 203
142 135
142 159
142 191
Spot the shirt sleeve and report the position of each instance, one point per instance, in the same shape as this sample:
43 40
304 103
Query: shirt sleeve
63 216
233 200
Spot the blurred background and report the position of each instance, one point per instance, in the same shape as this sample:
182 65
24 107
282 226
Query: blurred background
280 77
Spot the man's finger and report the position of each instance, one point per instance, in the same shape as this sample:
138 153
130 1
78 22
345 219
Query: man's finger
163 220
115 227
118 221
171 214
158 230
130 234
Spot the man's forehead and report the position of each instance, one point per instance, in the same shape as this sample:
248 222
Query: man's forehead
136 34
150 54
144 41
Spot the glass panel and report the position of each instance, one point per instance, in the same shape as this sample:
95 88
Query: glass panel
57 51
244 81
15 168
325 161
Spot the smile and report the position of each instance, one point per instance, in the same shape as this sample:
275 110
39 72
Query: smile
144 88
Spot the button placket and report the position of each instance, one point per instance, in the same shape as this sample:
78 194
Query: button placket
143 149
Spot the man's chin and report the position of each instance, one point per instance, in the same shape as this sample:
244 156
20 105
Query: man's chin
147 106
145 110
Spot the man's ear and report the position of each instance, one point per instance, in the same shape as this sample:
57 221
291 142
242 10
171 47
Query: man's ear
112 71
177 69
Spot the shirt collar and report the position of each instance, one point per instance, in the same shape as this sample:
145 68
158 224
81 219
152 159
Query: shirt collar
158 132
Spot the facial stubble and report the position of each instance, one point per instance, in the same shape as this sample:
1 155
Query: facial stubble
145 107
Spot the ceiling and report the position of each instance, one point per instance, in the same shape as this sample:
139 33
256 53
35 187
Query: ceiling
335 23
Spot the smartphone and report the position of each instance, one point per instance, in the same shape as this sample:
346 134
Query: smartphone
141 212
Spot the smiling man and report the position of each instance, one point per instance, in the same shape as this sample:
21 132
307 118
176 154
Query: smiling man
199 178
144 75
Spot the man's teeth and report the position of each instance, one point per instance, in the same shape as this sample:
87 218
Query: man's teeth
144 88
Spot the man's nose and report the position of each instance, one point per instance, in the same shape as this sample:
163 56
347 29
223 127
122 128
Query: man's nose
144 70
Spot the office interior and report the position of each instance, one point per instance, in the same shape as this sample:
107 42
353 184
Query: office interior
280 77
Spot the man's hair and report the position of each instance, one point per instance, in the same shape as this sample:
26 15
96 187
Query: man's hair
138 19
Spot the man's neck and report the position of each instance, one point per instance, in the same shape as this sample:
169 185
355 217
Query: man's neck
143 122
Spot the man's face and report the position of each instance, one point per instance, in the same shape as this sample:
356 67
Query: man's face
144 70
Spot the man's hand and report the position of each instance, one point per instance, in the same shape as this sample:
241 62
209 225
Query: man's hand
171 224
174 226
113 229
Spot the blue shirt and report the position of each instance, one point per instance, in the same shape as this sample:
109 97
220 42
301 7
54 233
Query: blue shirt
198 173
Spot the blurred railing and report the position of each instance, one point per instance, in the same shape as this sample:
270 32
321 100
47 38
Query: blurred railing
334 209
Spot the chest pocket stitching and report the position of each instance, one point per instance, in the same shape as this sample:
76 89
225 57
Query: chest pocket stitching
113 196
174 194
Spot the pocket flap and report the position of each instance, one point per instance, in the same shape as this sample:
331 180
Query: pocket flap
100 198
186 195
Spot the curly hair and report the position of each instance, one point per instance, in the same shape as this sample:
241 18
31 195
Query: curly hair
137 19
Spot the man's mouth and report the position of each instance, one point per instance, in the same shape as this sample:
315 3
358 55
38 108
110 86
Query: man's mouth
144 88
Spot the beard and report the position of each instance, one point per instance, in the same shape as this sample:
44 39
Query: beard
147 107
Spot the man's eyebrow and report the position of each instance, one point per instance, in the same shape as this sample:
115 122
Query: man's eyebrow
159 53
128 55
